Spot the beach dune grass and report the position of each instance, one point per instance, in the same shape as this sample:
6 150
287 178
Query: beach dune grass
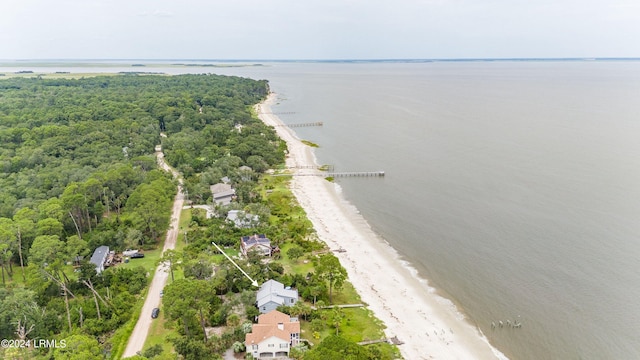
300 266
309 143
359 324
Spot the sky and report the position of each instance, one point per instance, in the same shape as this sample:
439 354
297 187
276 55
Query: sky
318 29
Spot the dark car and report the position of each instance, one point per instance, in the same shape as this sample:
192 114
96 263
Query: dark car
137 256
154 313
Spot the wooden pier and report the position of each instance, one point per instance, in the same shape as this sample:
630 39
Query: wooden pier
343 306
315 167
280 113
392 340
317 123
340 174
354 173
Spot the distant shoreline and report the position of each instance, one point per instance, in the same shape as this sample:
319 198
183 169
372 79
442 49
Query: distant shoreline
252 62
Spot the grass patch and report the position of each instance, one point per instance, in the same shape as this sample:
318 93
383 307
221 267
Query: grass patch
183 226
149 262
297 266
219 258
309 143
159 334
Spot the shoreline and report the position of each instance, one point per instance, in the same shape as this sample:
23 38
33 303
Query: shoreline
430 326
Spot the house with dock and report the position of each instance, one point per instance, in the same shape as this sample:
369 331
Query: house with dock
273 336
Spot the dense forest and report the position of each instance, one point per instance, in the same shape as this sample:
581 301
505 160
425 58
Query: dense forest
77 171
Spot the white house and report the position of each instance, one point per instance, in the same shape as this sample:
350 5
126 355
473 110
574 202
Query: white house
273 294
273 336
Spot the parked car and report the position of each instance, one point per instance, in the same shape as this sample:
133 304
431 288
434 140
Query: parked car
137 255
154 313
161 293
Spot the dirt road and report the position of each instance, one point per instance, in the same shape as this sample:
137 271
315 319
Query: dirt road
141 330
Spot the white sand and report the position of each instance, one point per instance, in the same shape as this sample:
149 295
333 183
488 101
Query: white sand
428 324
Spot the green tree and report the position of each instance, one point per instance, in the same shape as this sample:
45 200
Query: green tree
201 268
172 259
7 242
75 204
192 349
330 270
337 348
20 304
336 317
79 347
50 226
51 208
152 351
300 308
24 221
185 299
152 204
49 256
134 238
47 250
295 252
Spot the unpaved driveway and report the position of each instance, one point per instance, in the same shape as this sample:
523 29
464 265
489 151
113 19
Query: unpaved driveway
141 330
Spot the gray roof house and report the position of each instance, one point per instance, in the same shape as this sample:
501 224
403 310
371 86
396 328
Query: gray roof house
242 219
259 243
222 193
99 257
273 294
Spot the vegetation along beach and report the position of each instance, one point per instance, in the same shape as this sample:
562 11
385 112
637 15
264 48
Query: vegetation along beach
91 169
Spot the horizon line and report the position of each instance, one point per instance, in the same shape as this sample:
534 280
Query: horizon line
585 58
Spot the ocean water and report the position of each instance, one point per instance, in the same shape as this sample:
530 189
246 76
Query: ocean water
513 187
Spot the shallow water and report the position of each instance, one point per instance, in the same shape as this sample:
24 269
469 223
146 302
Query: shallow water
511 186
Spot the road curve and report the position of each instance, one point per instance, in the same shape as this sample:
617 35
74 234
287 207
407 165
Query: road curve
141 330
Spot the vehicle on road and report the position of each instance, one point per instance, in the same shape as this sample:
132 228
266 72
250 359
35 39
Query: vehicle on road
155 312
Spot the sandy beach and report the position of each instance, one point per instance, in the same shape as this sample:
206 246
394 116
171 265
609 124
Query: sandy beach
428 324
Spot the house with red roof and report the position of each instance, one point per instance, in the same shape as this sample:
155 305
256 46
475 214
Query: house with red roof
273 336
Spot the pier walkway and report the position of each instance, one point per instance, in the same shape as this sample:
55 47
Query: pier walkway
317 123
339 174
280 113
355 173
392 340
